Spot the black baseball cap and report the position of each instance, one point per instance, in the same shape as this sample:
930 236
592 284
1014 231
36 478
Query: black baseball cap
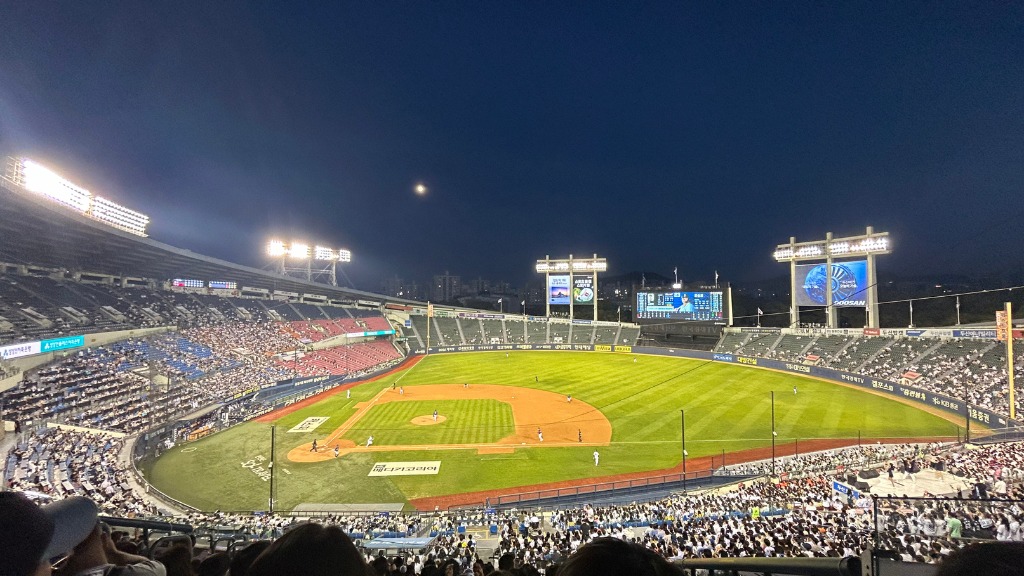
33 534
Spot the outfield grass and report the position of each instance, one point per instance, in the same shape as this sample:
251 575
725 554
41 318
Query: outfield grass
727 408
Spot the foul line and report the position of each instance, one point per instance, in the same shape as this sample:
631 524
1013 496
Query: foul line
351 421
345 427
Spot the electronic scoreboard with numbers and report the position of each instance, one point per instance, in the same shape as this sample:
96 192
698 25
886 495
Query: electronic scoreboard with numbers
706 306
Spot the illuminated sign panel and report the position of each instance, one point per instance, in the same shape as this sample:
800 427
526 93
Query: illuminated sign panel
583 290
849 284
558 289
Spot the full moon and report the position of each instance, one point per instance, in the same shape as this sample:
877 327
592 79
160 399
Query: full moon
420 189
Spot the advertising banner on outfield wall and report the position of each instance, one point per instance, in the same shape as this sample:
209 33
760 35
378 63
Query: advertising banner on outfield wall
980 334
507 347
973 334
481 316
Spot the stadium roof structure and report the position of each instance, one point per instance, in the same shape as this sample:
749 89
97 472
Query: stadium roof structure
37 232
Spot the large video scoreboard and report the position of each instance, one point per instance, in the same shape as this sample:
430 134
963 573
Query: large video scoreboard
700 306
849 284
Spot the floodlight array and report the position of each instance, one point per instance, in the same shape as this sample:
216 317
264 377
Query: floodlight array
276 248
302 251
39 179
868 245
802 252
840 247
564 266
118 216
299 251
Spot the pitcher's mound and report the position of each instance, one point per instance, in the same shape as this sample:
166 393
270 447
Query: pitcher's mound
427 420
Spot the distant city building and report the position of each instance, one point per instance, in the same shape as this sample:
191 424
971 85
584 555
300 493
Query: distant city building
480 285
446 287
396 286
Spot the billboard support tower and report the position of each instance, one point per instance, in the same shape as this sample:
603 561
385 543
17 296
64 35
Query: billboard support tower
833 276
572 275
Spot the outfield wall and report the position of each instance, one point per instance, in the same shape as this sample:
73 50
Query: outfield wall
962 333
886 387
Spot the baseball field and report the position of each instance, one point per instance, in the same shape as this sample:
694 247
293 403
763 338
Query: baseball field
506 421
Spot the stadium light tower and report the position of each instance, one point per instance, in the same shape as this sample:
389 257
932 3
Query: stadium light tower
298 259
840 281
572 281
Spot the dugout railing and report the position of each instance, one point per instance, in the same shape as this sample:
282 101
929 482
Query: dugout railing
849 566
633 486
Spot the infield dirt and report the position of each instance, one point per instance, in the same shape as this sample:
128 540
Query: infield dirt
564 422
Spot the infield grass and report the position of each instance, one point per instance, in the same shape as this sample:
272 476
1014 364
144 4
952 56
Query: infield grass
466 422
728 408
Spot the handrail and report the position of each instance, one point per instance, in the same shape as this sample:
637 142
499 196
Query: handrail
608 486
147 524
849 566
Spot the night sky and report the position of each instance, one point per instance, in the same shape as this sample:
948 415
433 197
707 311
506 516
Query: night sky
697 135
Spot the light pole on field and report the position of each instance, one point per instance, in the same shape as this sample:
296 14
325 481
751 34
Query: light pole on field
273 432
773 433
682 418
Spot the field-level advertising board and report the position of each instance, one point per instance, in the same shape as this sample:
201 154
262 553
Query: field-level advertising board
420 468
571 282
847 277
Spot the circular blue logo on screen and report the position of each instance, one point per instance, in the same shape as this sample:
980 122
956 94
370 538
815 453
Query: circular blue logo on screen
844 283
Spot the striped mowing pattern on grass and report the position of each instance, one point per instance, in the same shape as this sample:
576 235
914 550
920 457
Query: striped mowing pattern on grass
728 408
465 422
